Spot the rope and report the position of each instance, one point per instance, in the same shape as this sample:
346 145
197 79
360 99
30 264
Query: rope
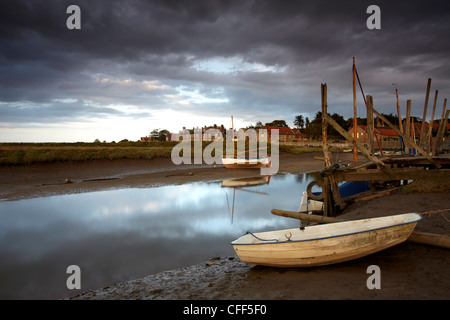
248 232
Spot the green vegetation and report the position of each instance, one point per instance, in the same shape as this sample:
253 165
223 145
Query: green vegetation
298 149
28 153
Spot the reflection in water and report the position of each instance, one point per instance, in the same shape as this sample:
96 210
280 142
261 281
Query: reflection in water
119 235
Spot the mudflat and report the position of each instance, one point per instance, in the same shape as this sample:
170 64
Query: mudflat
408 270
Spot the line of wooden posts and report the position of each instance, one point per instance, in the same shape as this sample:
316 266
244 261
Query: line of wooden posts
332 200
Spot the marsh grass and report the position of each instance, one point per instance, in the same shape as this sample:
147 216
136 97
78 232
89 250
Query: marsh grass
29 153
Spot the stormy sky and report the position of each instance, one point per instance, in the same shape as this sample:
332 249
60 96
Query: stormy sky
135 66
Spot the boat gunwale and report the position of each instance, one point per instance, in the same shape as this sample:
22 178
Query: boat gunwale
274 241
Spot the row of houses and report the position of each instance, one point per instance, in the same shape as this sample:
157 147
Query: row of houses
285 134
386 137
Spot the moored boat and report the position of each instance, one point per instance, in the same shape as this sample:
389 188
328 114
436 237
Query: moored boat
242 163
325 244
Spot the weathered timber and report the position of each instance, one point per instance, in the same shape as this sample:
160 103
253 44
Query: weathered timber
305 216
353 140
407 139
370 124
355 151
394 174
430 127
422 128
437 240
399 113
328 208
408 122
440 134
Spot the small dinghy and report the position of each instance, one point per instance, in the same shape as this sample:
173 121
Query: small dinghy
245 163
325 243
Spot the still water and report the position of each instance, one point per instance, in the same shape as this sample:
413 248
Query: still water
124 234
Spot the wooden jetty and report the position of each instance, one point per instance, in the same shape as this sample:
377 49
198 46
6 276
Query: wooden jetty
429 164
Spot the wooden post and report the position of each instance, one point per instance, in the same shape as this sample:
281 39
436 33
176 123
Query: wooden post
305 216
422 137
430 127
360 146
326 183
408 123
441 127
327 201
440 135
355 125
399 113
407 139
370 124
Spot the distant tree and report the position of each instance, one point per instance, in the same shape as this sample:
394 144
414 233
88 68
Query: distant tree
158 134
154 134
163 134
299 122
277 123
258 125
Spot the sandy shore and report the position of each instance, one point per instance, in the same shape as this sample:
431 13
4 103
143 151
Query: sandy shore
408 271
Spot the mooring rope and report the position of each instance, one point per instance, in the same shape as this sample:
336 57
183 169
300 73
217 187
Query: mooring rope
248 232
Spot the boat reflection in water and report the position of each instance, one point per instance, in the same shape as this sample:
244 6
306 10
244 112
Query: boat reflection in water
244 182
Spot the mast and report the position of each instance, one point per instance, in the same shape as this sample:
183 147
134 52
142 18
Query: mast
355 150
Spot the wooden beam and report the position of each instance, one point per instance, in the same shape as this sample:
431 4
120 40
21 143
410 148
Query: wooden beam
442 175
370 124
399 113
441 130
438 240
430 127
422 128
355 125
347 136
408 122
305 216
328 181
327 154
440 135
407 139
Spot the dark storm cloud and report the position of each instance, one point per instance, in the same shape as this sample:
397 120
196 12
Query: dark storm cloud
142 52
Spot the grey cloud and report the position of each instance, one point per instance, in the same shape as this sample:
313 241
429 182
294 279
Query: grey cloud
310 42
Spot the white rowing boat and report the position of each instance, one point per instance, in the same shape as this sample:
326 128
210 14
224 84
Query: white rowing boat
241 163
325 243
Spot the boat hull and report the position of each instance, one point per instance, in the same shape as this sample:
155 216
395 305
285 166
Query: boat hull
236 163
326 249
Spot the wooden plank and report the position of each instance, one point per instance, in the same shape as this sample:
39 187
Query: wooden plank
422 128
394 174
408 122
328 209
354 141
399 113
441 130
370 124
407 139
305 216
355 125
430 127
438 240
